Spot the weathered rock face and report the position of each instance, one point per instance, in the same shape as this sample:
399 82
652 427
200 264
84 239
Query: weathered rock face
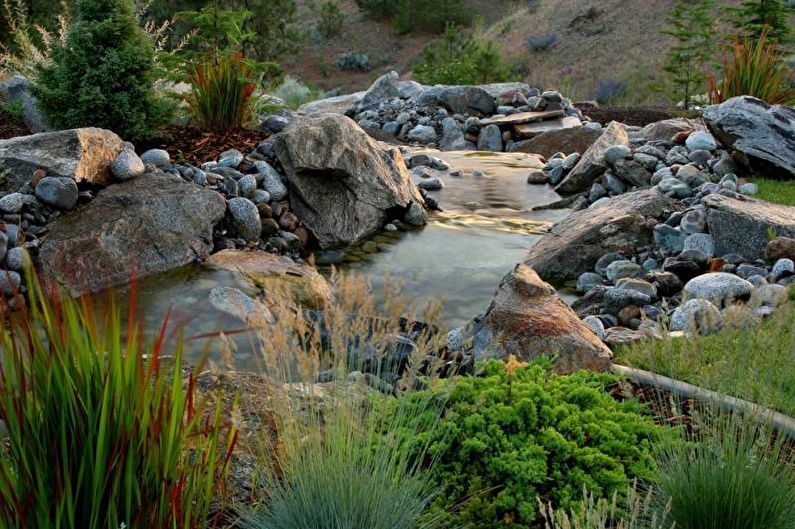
331 105
343 186
573 245
666 129
147 225
759 136
80 154
275 273
575 139
385 87
744 226
529 320
593 164
471 100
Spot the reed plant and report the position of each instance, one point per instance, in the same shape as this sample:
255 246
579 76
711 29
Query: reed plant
100 428
222 90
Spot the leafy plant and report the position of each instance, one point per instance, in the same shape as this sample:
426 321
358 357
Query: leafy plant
101 430
517 436
692 26
353 61
13 109
330 19
104 74
294 93
754 68
733 475
222 91
765 20
461 58
29 45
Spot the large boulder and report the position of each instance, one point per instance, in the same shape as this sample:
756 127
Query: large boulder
574 139
467 100
343 185
277 275
385 87
620 224
85 155
666 129
744 226
528 319
760 137
143 226
593 164
331 105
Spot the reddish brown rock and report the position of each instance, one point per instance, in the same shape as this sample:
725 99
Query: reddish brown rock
529 320
576 139
780 248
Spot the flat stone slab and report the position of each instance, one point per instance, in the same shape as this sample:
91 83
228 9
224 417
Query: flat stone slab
593 164
577 139
523 117
531 130
745 226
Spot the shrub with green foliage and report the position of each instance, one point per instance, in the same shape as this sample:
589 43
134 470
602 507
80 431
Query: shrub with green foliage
100 431
353 61
103 75
461 58
768 20
514 437
330 19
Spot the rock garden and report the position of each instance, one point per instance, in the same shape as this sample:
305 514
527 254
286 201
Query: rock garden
460 305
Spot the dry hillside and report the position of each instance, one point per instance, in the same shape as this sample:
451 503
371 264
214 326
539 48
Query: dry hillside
597 40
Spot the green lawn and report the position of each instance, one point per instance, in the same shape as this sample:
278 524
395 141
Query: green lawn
778 191
755 364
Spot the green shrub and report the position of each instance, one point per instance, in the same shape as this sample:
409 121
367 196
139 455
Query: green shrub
294 93
417 15
103 75
512 438
734 476
461 58
754 68
766 20
330 19
221 95
99 431
353 61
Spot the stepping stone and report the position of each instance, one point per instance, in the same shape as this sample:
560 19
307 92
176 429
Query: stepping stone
523 117
530 130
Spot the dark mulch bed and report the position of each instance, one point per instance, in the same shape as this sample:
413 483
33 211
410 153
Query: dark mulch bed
635 116
10 127
196 146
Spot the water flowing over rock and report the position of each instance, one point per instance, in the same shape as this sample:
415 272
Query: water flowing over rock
529 320
84 155
620 224
144 226
592 164
275 273
759 136
343 185
745 226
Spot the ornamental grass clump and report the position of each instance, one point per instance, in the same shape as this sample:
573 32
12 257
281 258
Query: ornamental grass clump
730 474
222 90
327 467
101 431
753 67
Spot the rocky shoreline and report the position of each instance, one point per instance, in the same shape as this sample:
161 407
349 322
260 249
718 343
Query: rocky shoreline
663 236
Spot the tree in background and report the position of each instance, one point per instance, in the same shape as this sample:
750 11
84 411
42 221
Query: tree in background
275 24
103 75
753 17
691 24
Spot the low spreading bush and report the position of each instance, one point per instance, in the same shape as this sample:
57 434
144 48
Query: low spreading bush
541 42
352 61
331 18
294 93
222 91
514 437
755 68
99 428
732 476
609 91
417 15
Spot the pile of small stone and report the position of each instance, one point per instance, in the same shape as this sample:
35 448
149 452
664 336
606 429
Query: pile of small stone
452 118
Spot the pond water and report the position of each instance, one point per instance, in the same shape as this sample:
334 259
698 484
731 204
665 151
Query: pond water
459 258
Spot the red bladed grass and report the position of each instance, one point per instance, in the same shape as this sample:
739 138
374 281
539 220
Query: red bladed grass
221 93
100 428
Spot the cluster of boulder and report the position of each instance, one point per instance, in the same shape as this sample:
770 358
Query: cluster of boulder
496 117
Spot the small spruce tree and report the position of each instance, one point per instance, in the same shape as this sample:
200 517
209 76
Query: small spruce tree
752 17
103 75
692 26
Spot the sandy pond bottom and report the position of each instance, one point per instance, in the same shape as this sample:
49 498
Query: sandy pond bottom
459 258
